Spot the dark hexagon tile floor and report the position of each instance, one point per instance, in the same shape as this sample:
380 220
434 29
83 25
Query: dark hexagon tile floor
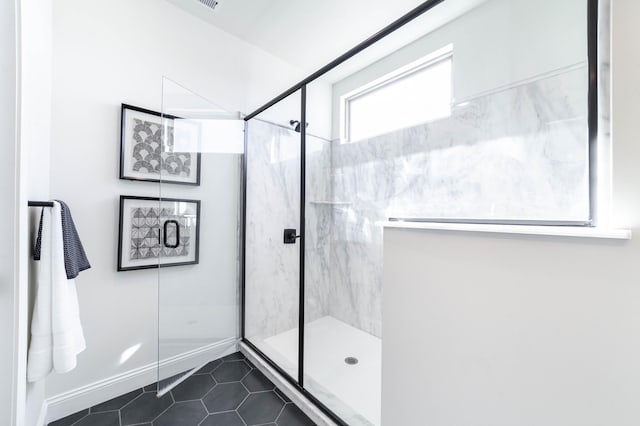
225 392
260 408
225 397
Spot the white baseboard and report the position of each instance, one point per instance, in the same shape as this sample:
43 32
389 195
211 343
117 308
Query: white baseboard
70 402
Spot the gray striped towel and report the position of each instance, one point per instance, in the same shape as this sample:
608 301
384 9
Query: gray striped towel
75 259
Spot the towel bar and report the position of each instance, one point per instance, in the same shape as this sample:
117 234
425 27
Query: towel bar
40 204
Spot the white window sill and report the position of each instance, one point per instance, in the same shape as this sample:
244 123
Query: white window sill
562 231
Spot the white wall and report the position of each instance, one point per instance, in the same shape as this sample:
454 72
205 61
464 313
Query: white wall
509 330
36 67
106 53
26 113
485 329
500 41
36 64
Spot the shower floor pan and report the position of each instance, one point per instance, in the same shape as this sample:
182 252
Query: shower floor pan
342 366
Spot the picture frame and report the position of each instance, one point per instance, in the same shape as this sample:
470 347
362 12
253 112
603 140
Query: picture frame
147 142
158 232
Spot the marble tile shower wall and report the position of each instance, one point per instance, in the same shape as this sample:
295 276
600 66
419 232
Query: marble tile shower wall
319 226
526 145
273 204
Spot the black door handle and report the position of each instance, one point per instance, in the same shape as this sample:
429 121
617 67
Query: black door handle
164 236
290 236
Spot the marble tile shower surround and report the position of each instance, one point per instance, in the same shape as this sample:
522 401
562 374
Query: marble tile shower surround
319 225
273 204
273 200
525 145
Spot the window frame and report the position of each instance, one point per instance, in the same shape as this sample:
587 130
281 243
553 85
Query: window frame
437 56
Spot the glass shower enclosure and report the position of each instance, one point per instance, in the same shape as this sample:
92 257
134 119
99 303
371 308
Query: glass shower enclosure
309 332
321 340
469 111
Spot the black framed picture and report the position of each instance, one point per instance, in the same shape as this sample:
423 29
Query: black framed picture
156 232
143 135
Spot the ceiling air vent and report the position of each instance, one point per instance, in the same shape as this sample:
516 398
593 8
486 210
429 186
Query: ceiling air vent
210 3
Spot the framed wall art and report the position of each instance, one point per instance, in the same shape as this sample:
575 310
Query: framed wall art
158 147
156 232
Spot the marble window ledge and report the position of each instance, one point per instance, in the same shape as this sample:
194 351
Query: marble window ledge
562 231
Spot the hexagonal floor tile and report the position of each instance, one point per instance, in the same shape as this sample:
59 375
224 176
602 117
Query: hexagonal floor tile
234 356
170 380
110 418
256 381
145 408
209 367
195 387
116 403
153 387
188 413
229 418
225 397
260 408
231 371
293 416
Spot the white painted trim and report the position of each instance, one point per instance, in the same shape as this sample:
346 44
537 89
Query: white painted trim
307 407
561 231
94 393
17 275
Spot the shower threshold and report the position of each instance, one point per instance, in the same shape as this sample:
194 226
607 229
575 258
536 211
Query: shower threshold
342 366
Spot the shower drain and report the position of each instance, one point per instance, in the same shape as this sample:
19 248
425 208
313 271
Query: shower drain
351 360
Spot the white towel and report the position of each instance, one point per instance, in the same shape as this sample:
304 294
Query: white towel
40 349
56 332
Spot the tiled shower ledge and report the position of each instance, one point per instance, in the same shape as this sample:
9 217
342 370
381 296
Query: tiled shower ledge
562 231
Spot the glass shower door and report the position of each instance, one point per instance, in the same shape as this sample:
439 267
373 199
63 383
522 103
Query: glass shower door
198 224
272 251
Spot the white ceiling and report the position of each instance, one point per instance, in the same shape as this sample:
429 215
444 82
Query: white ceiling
311 33
305 33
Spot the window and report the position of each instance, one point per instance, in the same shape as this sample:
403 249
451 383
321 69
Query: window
500 150
412 95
